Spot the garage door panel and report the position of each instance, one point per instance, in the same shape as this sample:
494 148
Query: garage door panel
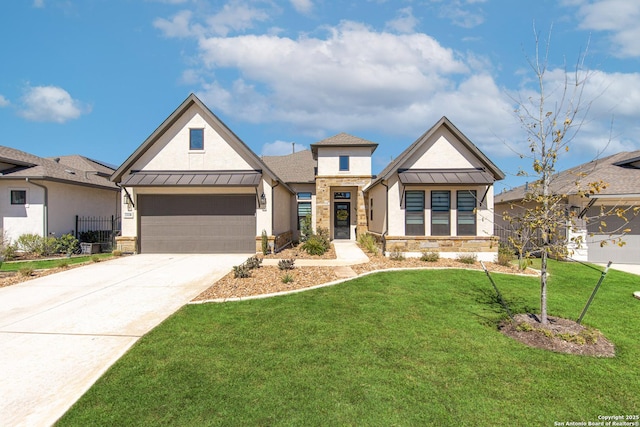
197 224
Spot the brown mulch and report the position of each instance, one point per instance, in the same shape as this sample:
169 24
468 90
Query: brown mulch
546 336
267 280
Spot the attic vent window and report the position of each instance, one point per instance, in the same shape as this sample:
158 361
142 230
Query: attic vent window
196 139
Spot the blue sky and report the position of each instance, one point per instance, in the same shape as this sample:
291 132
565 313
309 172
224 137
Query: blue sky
96 77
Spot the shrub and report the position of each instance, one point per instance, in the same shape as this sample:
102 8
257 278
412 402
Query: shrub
67 244
265 243
49 246
306 230
315 245
467 258
63 264
505 255
430 256
396 256
116 252
253 262
29 243
241 271
368 242
324 234
286 264
95 258
287 278
9 252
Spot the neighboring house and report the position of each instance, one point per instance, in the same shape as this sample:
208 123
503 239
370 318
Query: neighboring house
621 175
194 186
43 195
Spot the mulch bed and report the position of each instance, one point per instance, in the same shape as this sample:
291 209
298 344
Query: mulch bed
296 252
548 336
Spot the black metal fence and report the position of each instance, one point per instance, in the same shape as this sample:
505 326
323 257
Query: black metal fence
98 229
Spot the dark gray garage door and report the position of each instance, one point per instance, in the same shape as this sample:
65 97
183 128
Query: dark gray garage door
197 223
629 253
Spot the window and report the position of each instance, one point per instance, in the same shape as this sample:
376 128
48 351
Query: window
304 196
304 210
344 163
196 139
342 195
466 202
440 207
414 213
18 197
371 209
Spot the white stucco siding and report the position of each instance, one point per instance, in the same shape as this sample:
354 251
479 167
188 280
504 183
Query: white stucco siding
65 201
171 151
442 151
378 196
329 161
281 210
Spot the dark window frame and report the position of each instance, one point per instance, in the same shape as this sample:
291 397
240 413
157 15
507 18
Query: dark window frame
440 213
18 197
466 222
414 203
196 144
301 217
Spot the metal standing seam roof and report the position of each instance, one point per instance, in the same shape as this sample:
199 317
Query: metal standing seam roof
445 176
192 179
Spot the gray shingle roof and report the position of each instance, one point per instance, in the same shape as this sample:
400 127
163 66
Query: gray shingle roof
294 168
342 140
620 172
77 170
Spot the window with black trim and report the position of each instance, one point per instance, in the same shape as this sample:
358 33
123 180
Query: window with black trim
196 139
304 196
414 213
371 209
304 210
344 163
18 197
440 213
466 205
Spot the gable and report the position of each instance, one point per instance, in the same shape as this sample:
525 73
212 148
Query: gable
170 152
442 150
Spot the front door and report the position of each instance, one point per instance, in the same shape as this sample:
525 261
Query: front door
342 220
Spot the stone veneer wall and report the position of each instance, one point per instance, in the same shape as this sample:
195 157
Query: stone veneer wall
323 199
127 245
441 244
277 242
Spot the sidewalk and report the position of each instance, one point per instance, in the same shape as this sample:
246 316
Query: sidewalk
347 253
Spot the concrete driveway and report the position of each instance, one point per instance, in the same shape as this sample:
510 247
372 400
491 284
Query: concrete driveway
59 333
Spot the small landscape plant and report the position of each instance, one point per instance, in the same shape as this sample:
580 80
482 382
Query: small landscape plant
253 262
67 244
64 264
368 242
95 258
396 256
29 243
505 255
467 258
9 252
26 271
430 256
306 228
241 271
265 243
287 278
286 264
315 245
116 252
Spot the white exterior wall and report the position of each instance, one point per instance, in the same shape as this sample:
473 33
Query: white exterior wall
378 195
442 151
329 161
171 150
65 201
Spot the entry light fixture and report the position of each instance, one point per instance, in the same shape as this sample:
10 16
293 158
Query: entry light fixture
263 200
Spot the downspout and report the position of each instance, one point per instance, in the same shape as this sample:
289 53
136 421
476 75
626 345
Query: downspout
386 219
45 208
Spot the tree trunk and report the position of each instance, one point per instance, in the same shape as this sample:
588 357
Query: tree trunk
543 287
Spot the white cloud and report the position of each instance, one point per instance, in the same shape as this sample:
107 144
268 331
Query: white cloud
50 104
38 3
404 23
618 17
463 13
178 26
3 101
281 148
302 6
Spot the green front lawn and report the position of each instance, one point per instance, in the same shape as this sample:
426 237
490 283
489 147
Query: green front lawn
401 348
50 263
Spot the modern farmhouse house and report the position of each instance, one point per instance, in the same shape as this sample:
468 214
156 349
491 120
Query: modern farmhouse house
194 186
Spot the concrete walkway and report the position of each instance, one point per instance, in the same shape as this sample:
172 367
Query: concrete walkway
60 333
347 253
